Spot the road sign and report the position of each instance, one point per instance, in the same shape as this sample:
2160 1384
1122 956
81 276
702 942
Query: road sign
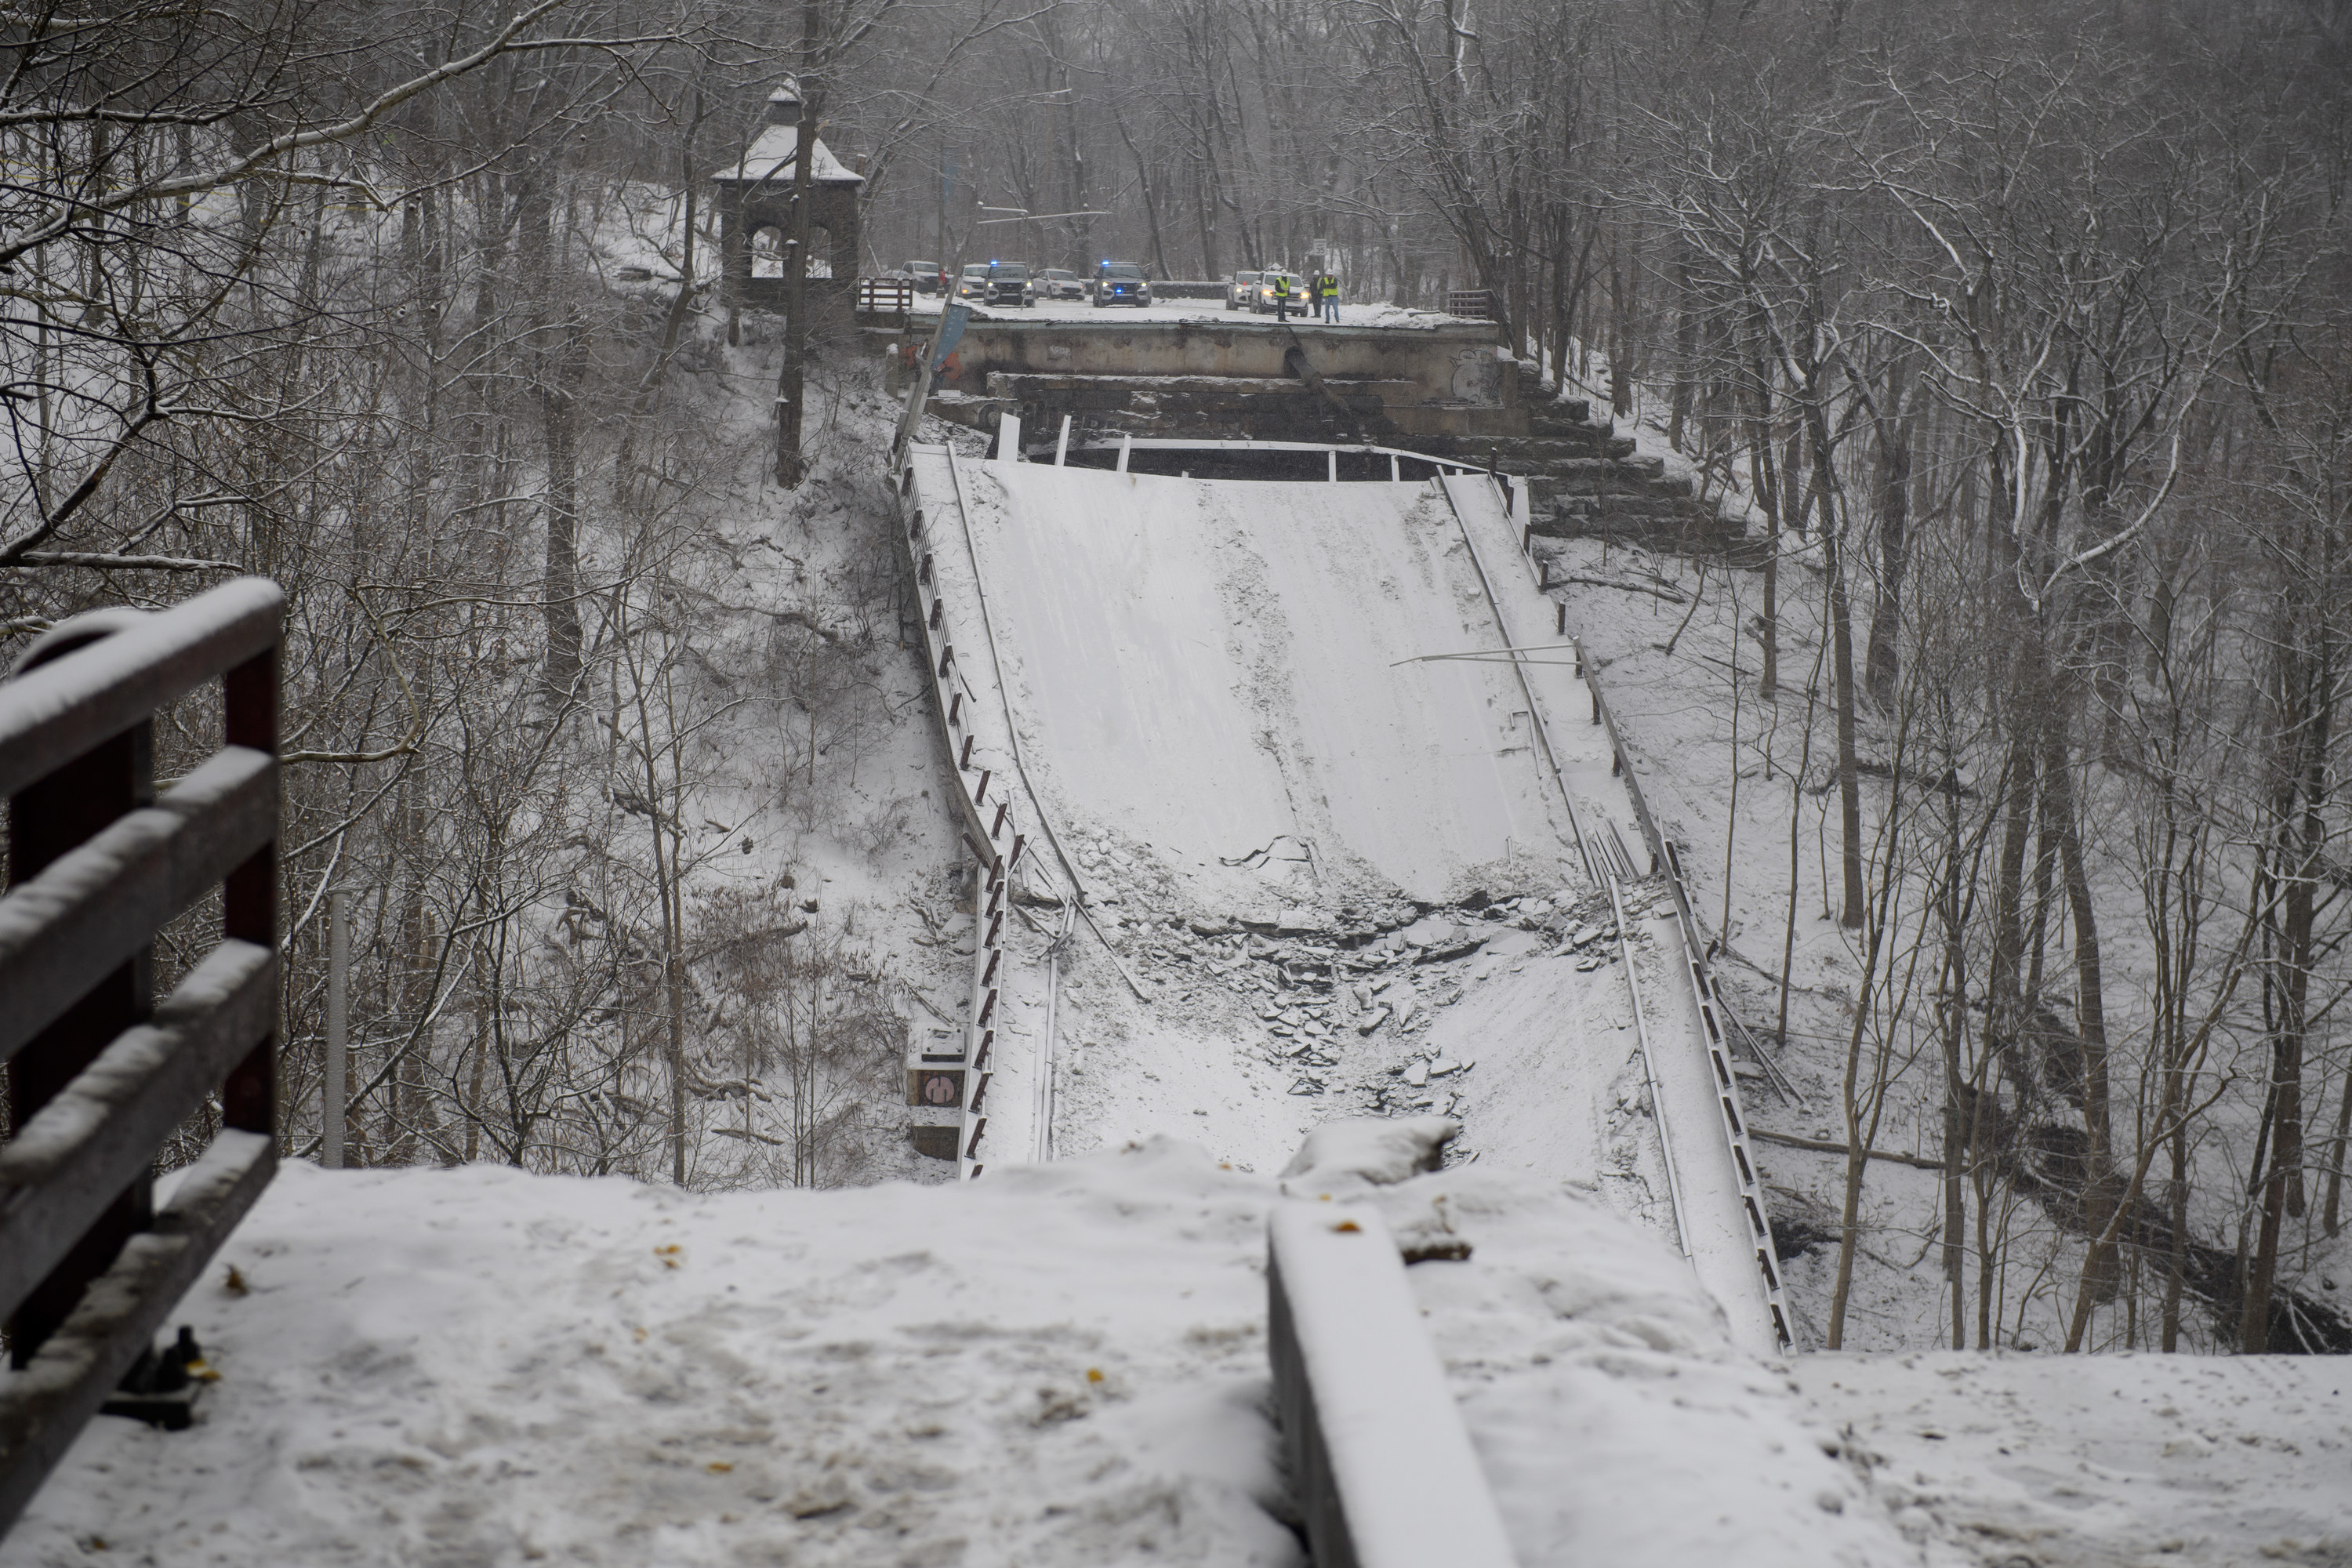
936 1089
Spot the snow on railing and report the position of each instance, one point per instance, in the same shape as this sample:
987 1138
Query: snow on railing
983 798
1380 1463
1713 1015
100 1074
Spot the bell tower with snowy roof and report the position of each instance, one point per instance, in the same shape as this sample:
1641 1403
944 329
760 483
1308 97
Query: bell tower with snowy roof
754 196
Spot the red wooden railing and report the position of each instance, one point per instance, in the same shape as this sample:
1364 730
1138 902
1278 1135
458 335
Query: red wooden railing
99 1075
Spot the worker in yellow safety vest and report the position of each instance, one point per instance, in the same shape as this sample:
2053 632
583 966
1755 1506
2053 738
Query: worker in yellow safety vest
1327 296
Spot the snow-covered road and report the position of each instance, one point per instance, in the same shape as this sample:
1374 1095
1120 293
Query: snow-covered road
1374 313
1217 665
1066 1365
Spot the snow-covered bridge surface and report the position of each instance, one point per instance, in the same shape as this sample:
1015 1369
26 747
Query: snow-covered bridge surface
1229 718
480 1368
1059 1364
1218 664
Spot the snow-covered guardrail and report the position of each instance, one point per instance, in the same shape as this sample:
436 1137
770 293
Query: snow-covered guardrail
1714 1016
99 1074
1381 1466
983 799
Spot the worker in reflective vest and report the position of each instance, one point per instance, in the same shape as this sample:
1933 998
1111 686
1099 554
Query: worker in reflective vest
1327 296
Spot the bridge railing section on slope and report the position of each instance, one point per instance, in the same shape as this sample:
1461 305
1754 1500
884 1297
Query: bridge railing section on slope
984 797
99 1074
1715 1019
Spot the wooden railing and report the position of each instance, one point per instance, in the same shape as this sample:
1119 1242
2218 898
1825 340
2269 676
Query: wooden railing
889 297
98 1074
1477 304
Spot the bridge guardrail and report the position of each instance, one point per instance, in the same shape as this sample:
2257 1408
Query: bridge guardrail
1706 997
887 298
1383 1471
990 831
100 1074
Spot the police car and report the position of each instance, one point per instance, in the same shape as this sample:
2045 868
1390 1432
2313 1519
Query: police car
1119 283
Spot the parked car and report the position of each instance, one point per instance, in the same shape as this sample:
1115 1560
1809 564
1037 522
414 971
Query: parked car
1119 283
973 284
1059 283
1241 291
930 277
1273 286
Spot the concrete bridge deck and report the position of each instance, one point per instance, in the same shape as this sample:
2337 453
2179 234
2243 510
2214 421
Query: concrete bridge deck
1389 372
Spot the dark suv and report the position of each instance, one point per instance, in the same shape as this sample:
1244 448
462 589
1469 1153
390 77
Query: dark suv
1008 284
1119 283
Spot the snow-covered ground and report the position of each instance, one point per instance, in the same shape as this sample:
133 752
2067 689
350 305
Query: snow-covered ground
1057 1365
1066 1365
2101 1461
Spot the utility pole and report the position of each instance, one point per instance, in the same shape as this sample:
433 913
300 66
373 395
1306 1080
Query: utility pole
947 194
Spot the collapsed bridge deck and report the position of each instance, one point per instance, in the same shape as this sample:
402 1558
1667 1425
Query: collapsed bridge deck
1210 708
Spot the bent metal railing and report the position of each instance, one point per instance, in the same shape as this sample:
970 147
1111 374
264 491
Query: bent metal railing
99 1075
1706 996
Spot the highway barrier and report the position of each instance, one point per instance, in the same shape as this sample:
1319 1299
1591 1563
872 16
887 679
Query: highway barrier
1381 1466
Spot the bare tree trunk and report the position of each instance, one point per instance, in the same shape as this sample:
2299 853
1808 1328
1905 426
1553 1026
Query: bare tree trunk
1894 431
2099 1186
1848 762
1955 1022
559 366
792 380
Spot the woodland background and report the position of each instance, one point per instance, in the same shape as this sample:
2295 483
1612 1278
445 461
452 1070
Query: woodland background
2018 332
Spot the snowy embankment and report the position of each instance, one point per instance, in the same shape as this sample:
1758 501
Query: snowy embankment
1057 1364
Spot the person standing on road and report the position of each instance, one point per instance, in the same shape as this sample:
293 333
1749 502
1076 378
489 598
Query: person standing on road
1282 298
1326 292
